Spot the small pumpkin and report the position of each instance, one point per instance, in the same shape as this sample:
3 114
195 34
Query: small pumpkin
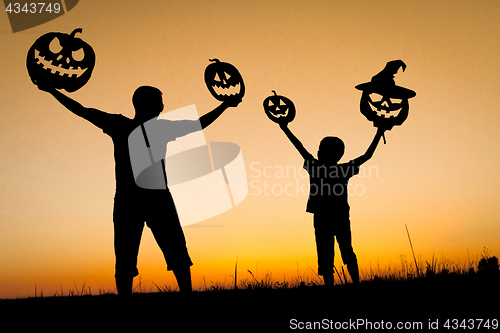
382 101
61 61
223 80
279 108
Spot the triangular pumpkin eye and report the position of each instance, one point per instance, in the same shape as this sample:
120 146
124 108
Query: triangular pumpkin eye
78 55
217 78
55 46
227 75
271 103
282 103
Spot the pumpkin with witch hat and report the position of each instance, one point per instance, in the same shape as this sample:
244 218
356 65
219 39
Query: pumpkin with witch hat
383 102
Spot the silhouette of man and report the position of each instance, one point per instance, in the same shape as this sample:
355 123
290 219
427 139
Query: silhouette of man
134 205
328 200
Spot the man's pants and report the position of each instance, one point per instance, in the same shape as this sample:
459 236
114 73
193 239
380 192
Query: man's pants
157 209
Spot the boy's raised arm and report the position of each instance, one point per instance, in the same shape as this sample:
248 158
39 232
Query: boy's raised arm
371 149
295 141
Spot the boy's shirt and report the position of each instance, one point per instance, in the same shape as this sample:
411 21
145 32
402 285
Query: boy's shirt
328 186
119 127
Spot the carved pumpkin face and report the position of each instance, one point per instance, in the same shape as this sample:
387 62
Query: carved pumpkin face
383 111
279 108
223 80
61 61
383 102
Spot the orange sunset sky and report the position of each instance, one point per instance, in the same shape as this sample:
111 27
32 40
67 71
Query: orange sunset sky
438 172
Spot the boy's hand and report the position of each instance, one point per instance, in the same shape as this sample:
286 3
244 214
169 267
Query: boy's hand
283 125
380 133
232 101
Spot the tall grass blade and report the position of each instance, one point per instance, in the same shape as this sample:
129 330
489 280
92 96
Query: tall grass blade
343 274
236 274
83 288
257 281
315 274
335 268
411 246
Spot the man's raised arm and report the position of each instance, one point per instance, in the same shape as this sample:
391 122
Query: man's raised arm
92 115
211 116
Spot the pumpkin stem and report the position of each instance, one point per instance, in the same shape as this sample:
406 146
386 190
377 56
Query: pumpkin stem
274 93
216 60
79 30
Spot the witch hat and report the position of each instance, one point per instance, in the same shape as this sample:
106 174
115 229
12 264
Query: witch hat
383 83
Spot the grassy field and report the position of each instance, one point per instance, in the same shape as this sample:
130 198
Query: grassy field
411 292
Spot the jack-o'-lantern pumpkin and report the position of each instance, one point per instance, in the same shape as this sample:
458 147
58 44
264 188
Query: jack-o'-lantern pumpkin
279 108
61 61
383 102
224 81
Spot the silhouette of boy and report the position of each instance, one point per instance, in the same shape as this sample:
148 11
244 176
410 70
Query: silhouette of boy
328 200
134 205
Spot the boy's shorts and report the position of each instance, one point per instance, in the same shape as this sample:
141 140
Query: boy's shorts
326 228
157 209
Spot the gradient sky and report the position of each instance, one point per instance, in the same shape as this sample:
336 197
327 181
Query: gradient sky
437 173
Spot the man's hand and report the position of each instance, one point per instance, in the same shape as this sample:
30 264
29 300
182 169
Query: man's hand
211 116
232 101
45 87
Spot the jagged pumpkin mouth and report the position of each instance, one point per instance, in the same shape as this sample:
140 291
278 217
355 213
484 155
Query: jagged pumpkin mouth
385 107
48 65
226 89
384 113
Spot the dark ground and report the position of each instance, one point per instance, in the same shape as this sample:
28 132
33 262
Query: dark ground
450 297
